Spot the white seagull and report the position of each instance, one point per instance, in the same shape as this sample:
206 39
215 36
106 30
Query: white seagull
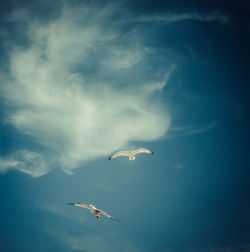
131 154
94 210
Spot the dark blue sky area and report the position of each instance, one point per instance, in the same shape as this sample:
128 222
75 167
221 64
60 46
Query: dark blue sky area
83 79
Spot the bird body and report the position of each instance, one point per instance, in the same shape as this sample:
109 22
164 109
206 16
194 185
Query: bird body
94 210
131 154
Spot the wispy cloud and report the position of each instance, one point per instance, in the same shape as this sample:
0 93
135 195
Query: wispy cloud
170 18
6 164
74 88
28 162
189 130
159 86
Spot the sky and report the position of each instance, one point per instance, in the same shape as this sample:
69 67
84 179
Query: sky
80 80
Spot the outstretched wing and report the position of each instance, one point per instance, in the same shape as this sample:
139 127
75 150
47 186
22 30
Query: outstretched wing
119 153
102 212
80 205
143 150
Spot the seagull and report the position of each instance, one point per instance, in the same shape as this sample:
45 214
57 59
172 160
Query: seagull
131 154
94 210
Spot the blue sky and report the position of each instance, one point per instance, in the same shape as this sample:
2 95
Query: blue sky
83 79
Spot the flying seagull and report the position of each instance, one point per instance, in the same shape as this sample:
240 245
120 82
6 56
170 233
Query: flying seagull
94 210
131 154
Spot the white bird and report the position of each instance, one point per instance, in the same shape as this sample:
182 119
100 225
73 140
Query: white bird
94 210
131 154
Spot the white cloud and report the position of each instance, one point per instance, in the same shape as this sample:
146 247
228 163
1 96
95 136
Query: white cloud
63 94
5 164
28 162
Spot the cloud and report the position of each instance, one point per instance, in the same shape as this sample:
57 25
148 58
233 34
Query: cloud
170 18
7 163
28 162
189 130
159 86
77 87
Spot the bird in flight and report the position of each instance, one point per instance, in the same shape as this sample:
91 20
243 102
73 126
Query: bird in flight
94 210
131 154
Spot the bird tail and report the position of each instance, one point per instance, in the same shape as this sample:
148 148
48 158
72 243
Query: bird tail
72 203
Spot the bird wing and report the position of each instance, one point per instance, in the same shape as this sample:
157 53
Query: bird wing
143 150
80 205
102 212
119 153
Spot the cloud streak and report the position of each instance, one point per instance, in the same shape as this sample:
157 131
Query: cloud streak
189 130
170 18
77 88
31 163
